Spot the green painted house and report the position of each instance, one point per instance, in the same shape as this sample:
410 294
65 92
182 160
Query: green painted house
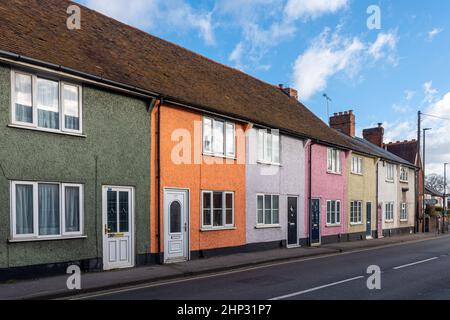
74 174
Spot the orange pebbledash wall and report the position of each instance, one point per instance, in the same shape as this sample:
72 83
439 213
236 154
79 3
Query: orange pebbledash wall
184 166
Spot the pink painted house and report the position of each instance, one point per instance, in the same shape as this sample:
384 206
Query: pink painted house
326 181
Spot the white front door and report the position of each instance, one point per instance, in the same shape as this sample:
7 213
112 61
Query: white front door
176 214
118 227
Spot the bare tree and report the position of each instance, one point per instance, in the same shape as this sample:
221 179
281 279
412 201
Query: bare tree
435 182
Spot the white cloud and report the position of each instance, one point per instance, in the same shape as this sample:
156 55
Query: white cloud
433 33
383 46
400 108
409 95
236 55
436 116
304 9
429 92
330 55
133 12
323 59
438 139
399 131
176 15
266 23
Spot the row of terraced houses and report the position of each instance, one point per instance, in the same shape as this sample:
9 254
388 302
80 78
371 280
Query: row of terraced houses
120 149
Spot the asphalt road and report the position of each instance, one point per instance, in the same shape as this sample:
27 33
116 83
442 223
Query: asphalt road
410 271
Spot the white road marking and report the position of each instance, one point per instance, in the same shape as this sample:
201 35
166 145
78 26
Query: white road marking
316 288
239 270
414 263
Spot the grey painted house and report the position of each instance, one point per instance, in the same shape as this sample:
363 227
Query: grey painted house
275 205
75 174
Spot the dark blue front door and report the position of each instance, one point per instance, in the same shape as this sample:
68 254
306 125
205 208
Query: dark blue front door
315 222
292 221
368 219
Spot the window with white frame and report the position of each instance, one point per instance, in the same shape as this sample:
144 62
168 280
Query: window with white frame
333 212
357 165
390 172
218 137
46 210
356 212
46 104
268 146
403 174
403 212
333 160
389 211
268 210
218 209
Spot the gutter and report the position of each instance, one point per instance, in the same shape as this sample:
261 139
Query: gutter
311 144
416 222
377 200
158 172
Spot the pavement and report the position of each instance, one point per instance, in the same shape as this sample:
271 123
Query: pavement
92 283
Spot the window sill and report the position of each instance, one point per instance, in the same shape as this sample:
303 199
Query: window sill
333 225
273 226
404 181
403 221
389 181
357 174
335 173
389 221
46 239
217 229
353 224
216 155
17 126
269 163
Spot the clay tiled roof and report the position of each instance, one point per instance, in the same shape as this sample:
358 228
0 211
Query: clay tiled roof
406 150
117 52
368 148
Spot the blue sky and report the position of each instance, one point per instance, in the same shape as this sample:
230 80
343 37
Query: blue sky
319 46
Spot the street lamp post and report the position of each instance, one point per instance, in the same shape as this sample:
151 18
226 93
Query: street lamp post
423 185
445 196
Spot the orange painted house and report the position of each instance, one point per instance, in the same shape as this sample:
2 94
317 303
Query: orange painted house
199 185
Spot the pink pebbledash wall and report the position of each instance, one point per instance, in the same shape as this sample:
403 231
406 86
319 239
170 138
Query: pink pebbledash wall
326 186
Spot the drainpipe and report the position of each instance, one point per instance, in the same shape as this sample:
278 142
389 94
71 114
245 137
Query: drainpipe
416 221
310 191
376 199
158 173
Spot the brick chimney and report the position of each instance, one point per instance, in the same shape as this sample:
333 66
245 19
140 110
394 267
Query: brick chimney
375 135
291 92
344 122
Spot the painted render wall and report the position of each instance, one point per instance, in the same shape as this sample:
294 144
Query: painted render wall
388 192
181 140
327 186
392 192
285 180
117 130
362 188
408 197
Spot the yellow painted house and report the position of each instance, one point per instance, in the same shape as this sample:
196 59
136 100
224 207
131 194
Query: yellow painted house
361 213
362 206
